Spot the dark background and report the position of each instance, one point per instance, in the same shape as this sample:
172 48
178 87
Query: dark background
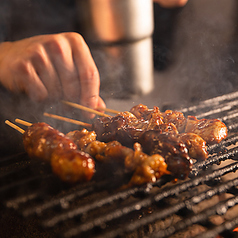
195 54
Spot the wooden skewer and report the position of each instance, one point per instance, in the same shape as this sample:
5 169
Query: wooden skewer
68 120
108 110
87 109
14 126
25 123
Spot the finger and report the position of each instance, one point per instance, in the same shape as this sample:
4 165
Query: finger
27 81
101 103
60 53
46 72
87 70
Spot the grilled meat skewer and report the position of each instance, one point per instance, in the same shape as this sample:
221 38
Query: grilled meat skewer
126 127
212 131
171 148
146 168
43 142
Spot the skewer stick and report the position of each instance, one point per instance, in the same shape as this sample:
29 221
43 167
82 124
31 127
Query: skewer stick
87 109
14 126
25 123
68 120
108 110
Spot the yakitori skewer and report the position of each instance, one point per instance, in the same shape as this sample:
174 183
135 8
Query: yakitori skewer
108 110
87 109
66 119
14 126
23 122
41 141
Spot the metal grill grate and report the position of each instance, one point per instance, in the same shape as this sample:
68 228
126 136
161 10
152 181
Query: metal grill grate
163 209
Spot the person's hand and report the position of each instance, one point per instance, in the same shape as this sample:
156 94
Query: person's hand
171 3
57 66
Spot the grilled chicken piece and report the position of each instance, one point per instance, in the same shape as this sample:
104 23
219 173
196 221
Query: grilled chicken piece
142 112
82 138
145 168
212 131
108 152
124 127
43 142
110 129
196 146
171 148
164 128
72 166
175 117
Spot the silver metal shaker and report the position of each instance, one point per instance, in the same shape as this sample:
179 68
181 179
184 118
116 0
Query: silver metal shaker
119 34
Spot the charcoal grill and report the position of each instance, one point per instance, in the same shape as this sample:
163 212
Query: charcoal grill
204 205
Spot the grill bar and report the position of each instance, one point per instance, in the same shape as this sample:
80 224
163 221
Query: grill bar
122 211
219 208
162 214
226 226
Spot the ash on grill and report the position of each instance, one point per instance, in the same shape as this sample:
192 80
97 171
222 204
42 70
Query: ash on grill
34 203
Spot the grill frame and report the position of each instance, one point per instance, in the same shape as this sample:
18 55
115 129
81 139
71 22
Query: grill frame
99 209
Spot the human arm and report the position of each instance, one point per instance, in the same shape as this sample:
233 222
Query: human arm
57 66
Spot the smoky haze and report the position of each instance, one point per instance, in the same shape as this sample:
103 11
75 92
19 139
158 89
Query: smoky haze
202 58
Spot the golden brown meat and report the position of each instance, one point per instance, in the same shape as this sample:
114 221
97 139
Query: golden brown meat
43 142
165 128
175 117
72 165
40 140
82 138
111 152
141 111
124 127
171 148
196 146
146 168
211 130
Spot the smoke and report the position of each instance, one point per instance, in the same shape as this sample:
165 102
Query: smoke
204 59
203 56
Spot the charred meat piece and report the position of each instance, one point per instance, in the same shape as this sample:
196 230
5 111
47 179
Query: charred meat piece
165 128
211 130
107 128
86 141
155 119
72 165
107 152
124 127
100 126
171 148
82 138
43 142
144 168
175 117
196 146
141 111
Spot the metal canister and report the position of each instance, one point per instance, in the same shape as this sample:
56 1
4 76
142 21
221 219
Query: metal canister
119 33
